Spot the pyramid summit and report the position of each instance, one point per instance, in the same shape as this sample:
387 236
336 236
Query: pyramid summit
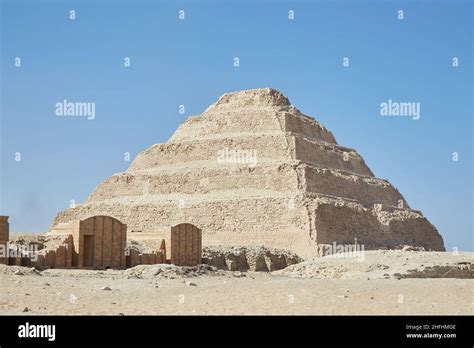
253 170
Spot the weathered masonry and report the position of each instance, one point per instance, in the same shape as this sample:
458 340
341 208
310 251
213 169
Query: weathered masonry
4 237
184 244
100 242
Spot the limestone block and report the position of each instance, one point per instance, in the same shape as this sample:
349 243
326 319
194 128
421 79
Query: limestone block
60 261
134 258
4 230
50 259
39 263
159 258
144 259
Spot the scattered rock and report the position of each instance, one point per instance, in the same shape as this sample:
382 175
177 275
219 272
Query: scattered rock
165 271
106 288
410 248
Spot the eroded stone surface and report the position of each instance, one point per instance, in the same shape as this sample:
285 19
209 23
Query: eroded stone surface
256 259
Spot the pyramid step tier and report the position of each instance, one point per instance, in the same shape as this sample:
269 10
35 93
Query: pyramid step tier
257 120
262 109
253 148
237 179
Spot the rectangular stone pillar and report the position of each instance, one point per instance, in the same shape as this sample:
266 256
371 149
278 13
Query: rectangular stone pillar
4 238
134 258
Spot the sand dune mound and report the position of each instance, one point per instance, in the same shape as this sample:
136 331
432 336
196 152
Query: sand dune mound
386 264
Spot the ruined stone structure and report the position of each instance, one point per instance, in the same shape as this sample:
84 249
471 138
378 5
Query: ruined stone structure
4 237
135 258
95 242
181 244
254 170
59 256
100 242
184 245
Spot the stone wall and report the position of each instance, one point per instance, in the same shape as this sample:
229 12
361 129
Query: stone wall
99 242
184 245
58 257
136 258
4 237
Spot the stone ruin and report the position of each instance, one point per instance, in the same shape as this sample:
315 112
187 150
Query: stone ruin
254 170
99 242
4 237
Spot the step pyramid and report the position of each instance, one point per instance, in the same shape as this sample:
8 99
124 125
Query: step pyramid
253 170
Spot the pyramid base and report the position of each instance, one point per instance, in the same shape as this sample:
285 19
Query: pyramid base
299 223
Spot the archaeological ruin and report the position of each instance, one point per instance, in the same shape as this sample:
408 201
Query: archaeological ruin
4 237
100 242
252 170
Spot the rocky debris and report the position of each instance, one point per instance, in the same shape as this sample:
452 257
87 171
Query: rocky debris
81 273
42 241
384 264
250 258
409 248
165 271
456 270
106 288
18 270
144 246
26 309
30 239
239 274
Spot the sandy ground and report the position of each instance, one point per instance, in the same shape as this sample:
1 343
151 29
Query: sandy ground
87 292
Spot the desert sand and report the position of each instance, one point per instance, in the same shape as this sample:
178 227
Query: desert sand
384 282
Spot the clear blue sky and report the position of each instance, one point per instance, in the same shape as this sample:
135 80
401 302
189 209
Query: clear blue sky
190 62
